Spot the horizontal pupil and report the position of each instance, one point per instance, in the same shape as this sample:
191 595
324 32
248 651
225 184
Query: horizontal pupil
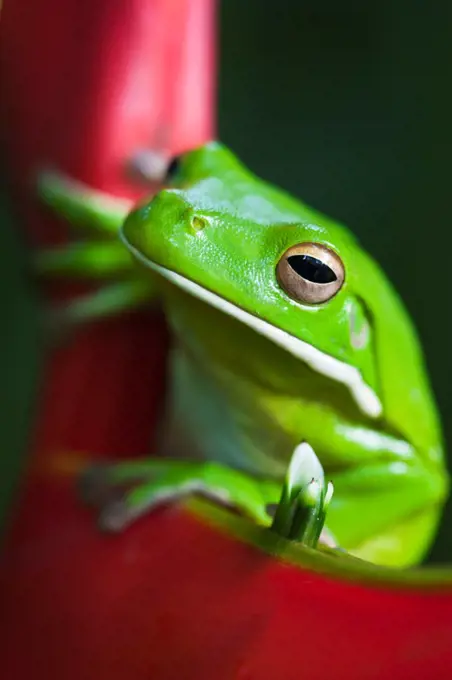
311 269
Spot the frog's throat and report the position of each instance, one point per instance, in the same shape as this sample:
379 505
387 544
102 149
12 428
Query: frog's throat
333 368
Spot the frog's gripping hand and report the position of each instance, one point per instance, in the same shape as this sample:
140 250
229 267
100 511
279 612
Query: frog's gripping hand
126 491
97 254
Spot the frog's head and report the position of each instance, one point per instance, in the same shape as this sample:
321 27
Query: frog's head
294 276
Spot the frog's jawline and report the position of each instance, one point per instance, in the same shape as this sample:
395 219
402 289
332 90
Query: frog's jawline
324 364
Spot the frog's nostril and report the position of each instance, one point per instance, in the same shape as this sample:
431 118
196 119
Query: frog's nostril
197 223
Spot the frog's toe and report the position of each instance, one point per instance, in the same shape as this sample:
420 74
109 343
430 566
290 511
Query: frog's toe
94 486
327 538
115 516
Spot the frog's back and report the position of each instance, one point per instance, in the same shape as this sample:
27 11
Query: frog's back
218 182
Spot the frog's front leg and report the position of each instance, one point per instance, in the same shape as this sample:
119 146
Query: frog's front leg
300 503
153 482
97 255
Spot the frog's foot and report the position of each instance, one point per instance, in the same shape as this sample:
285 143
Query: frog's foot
126 491
97 256
90 210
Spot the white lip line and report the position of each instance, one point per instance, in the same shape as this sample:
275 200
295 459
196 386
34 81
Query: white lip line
324 364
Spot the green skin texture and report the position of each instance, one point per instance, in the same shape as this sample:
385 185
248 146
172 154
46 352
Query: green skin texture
240 404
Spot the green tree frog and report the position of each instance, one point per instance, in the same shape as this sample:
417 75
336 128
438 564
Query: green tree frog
284 331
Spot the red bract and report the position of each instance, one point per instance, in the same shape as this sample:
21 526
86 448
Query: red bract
84 85
174 597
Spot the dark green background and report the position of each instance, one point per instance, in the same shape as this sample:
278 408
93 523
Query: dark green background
345 104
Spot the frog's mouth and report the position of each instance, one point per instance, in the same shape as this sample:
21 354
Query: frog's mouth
364 396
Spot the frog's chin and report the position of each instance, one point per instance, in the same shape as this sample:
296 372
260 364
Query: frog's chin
364 396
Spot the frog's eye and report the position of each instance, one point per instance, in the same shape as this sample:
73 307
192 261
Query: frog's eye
310 272
172 169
